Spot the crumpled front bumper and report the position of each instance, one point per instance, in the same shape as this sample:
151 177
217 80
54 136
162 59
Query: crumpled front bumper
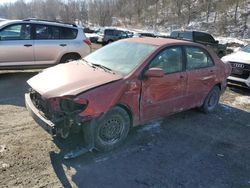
46 124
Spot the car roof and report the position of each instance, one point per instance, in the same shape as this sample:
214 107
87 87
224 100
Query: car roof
185 31
6 22
161 41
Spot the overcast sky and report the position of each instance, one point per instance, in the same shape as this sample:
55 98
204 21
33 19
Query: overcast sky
7 1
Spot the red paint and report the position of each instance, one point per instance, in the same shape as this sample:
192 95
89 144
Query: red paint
146 98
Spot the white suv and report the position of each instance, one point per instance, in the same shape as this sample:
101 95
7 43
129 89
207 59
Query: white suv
34 43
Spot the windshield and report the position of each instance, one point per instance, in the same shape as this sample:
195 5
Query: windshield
246 48
121 57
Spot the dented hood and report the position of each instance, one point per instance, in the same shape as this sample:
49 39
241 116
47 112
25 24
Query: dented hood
70 79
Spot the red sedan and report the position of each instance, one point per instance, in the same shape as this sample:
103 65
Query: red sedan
125 84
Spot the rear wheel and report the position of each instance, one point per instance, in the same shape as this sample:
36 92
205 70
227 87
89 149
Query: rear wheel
110 130
211 101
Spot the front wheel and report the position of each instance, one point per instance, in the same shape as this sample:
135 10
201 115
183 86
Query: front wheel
111 129
211 101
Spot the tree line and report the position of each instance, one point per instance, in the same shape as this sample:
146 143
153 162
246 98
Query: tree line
153 13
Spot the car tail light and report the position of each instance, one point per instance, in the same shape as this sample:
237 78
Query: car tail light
88 42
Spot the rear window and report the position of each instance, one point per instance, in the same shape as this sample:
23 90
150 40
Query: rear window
182 35
45 32
203 37
109 32
68 33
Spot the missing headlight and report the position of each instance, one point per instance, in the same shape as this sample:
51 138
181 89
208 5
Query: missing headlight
69 106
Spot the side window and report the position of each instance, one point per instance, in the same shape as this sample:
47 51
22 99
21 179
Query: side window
108 32
170 60
45 32
197 58
188 35
16 32
209 38
42 32
54 32
199 36
68 33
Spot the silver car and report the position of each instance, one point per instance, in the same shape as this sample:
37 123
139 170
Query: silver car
33 43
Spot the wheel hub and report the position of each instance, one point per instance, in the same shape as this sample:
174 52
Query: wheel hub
212 101
111 129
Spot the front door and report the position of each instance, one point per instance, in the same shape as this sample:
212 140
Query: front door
16 45
164 95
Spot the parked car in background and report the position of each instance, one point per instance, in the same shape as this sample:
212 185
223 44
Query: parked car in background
145 34
240 62
111 35
34 43
125 84
202 38
93 37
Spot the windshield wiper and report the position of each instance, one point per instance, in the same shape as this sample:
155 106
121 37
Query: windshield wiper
88 63
94 65
103 67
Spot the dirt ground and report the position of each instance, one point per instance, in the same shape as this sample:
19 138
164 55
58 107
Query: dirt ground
189 149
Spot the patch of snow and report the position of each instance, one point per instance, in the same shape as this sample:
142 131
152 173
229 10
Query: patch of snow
2 148
154 126
220 155
101 159
227 108
227 40
88 35
4 165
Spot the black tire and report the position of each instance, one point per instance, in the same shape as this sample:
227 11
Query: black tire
109 42
110 130
69 58
211 101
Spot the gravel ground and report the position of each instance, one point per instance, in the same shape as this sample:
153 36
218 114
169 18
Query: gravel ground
189 149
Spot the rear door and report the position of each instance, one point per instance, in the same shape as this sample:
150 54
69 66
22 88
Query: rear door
201 73
51 42
165 95
16 45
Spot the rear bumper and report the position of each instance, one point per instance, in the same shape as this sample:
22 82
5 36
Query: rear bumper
46 124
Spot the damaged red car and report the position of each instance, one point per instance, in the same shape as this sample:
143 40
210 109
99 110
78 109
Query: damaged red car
125 84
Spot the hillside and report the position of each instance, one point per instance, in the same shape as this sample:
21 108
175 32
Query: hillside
229 18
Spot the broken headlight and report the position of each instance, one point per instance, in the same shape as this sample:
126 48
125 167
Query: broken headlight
70 106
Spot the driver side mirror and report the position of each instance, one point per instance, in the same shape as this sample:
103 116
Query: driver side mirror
216 42
154 73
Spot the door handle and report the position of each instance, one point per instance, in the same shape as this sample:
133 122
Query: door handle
63 45
181 76
211 71
28 45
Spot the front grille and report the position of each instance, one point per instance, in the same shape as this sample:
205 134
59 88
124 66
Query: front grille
240 70
41 104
